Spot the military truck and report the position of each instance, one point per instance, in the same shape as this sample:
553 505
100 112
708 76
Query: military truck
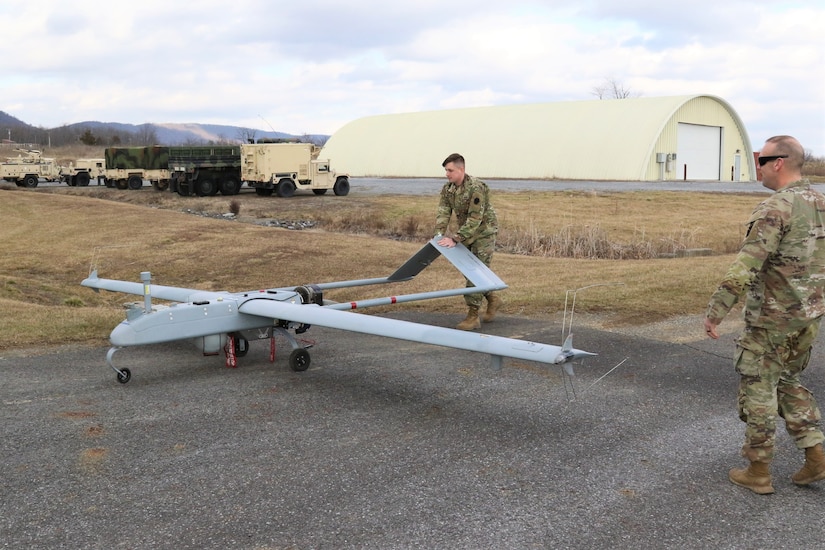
283 168
127 167
82 172
28 167
205 170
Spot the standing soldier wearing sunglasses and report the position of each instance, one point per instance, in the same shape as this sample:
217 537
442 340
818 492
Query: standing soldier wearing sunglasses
780 270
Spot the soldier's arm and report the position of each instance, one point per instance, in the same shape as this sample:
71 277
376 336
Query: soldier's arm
765 229
443 214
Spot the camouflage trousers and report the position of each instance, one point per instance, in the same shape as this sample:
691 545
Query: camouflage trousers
769 365
483 249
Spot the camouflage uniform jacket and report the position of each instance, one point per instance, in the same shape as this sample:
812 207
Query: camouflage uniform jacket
781 265
474 214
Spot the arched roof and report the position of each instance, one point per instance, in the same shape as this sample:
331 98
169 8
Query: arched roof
597 139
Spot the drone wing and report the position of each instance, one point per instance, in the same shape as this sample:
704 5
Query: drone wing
170 293
496 346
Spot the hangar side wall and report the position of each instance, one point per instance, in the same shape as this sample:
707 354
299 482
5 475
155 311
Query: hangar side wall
705 111
577 140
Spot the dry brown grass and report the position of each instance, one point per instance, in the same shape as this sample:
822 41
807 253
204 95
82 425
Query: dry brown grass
571 224
52 236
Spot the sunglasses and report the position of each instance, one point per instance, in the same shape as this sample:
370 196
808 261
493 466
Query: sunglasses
765 160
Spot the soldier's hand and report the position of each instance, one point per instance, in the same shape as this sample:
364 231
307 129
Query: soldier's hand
446 241
710 329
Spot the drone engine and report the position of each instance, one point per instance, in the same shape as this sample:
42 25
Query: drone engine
311 294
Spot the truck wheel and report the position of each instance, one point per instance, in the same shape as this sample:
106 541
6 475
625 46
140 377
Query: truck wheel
230 186
263 192
286 188
31 181
121 184
341 187
160 185
182 188
206 187
135 183
82 179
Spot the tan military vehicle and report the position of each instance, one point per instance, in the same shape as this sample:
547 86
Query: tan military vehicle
283 168
27 168
80 173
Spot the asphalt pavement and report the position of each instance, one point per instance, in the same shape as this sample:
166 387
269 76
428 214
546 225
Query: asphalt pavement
386 444
431 186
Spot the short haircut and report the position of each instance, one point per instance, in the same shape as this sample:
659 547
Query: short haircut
788 145
455 158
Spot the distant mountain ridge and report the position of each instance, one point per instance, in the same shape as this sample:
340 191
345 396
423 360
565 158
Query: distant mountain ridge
191 132
165 133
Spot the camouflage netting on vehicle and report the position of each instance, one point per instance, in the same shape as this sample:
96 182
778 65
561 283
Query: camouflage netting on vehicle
204 157
128 158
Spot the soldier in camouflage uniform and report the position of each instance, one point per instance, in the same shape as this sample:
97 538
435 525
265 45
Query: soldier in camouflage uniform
469 199
781 271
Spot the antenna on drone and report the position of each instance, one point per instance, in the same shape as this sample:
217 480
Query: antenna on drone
567 335
567 327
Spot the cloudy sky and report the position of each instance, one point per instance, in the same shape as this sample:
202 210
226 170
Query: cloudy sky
311 66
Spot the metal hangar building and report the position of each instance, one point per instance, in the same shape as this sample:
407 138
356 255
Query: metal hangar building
693 138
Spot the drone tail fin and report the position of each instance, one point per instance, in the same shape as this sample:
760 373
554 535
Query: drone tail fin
568 353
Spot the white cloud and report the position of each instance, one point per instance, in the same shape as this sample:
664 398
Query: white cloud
313 66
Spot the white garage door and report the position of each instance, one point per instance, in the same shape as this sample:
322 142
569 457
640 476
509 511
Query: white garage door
699 152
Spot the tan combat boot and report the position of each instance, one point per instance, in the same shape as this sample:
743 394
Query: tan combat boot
814 468
493 303
756 477
471 322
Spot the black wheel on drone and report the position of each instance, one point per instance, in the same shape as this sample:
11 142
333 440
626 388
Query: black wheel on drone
124 375
299 360
241 345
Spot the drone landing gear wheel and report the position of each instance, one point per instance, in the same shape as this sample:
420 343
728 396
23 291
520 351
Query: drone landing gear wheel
241 345
299 360
124 375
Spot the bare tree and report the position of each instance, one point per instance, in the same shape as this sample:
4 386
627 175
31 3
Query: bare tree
146 135
610 88
223 140
247 135
808 156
